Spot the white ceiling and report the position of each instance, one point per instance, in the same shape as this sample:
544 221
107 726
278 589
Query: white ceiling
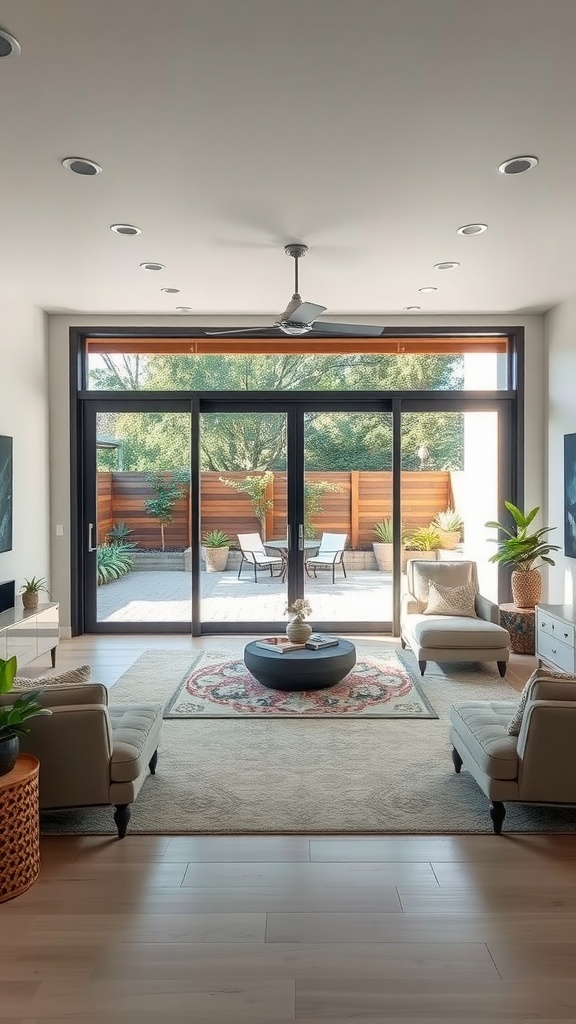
369 129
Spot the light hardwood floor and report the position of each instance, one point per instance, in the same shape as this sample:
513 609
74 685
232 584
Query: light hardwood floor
272 929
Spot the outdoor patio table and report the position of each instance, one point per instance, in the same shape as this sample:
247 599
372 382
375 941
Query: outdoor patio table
281 546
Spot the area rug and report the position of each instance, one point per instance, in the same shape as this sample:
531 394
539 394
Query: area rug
312 776
217 686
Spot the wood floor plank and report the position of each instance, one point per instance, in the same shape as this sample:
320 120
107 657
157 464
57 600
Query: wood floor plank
405 927
534 959
309 876
79 928
375 960
488 899
239 849
254 1000
477 875
506 849
423 998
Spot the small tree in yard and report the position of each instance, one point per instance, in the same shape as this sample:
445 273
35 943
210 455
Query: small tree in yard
314 490
255 487
168 489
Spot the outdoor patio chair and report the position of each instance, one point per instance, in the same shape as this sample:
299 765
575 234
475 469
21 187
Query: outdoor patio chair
253 552
329 555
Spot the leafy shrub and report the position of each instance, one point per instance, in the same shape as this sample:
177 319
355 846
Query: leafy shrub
113 561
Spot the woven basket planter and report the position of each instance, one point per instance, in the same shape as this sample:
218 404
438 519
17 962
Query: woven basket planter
526 587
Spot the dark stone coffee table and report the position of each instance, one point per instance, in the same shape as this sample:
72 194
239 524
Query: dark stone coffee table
300 670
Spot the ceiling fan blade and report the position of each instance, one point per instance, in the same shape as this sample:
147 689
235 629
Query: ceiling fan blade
306 313
238 330
360 330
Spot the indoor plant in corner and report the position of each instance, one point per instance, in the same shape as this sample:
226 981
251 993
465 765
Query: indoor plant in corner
525 552
297 630
30 590
13 716
215 548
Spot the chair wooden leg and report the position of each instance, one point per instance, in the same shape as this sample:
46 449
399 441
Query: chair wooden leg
502 665
456 760
422 667
497 813
153 762
122 817
402 643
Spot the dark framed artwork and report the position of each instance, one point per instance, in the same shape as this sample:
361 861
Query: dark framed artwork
5 493
570 495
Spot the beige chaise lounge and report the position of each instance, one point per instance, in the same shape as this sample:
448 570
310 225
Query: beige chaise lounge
91 753
448 638
537 766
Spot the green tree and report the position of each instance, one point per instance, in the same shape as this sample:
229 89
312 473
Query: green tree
255 487
168 489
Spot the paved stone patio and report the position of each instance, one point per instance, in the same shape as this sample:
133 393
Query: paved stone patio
161 596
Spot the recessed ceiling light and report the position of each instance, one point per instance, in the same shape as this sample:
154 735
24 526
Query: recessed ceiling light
9 47
472 229
428 289
518 164
125 229
80 165
153 266
412 309
170 291
183 309
446 266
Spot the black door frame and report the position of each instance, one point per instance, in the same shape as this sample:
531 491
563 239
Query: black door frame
509 403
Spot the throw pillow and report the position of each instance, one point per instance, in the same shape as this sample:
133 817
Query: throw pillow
516 723
451 600
73 675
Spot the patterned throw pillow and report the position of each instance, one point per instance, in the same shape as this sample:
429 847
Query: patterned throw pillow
73 675
451 600
538 673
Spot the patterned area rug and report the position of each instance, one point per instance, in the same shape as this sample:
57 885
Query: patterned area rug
312 776
221 687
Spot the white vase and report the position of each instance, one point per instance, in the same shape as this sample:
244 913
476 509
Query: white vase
298 631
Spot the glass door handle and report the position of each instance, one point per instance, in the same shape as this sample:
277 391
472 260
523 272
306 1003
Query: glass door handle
91 546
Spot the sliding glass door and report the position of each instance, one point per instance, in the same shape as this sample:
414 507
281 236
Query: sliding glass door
207 514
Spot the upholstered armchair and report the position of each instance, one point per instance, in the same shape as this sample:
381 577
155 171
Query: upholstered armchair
90 753
449 637
537 766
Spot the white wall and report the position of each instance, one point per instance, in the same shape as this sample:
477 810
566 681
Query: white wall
560 328
59 404
24 417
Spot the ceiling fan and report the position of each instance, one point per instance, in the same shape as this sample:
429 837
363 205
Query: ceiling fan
300 317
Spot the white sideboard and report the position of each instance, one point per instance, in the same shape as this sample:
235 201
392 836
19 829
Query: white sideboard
28 635
555 636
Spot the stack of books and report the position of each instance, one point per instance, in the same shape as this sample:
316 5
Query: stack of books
318 641
280 644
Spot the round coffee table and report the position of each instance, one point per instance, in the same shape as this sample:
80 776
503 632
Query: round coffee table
300 670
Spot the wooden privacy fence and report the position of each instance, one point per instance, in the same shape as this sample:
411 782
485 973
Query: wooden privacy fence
363 499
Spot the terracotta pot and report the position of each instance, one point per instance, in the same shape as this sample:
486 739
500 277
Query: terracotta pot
526 587
30 601
298 632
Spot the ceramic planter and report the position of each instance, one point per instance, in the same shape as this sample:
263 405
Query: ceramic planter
30 601
9 747
298 632
215 559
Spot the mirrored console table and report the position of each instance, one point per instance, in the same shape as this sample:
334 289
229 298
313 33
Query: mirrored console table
28 635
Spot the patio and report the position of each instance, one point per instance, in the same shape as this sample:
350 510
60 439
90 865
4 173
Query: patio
164 596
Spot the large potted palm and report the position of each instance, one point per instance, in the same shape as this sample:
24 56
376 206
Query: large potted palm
525 552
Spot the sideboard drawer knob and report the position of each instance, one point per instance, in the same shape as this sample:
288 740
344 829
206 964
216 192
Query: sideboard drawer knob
553 650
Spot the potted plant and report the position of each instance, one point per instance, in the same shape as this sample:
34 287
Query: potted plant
13 716
384 546
30 591
215 548
525 552
448 523
422 543
297 629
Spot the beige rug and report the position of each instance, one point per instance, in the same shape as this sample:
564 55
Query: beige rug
314 776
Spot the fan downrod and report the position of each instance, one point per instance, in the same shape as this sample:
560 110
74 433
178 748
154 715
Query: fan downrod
296 250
